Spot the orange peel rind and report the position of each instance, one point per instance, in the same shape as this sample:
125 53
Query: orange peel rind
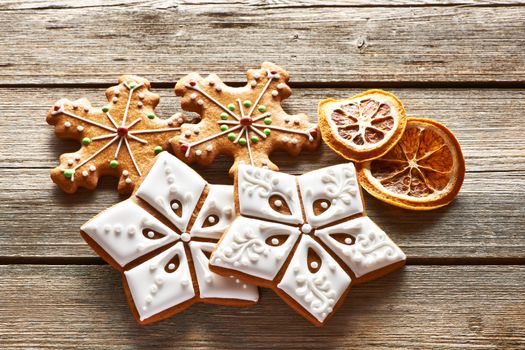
363 127
423 171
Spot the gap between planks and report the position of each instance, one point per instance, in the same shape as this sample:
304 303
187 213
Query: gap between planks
399 84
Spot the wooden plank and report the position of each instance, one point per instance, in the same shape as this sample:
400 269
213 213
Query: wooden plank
181 4
63 44
485 222
430 307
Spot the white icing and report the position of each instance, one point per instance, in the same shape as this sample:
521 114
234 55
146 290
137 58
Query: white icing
243 247
212 285
155 290
185 237
372 249
106 230
257 185
306 228
159 190
338 185
317 292
127 232
219 202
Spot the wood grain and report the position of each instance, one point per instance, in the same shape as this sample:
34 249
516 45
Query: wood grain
96 41
430 307
164 4
53 49
484 222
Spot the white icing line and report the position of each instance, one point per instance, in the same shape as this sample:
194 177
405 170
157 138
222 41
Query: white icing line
138 139
230 122
152 131
248 144
96 153
264 115
259 132
131 155
240 135
240 107
133 123
260 96
89 121
283 129
103 137
131 91
213 136
196 88
112 120
118 147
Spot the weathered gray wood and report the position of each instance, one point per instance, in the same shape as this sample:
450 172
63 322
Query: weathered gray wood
37 219
430 307
94 42
181 4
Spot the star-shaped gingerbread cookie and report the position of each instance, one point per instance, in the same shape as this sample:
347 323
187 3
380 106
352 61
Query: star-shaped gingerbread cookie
246 123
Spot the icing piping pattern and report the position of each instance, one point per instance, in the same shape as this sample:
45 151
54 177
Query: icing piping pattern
166 279
259 242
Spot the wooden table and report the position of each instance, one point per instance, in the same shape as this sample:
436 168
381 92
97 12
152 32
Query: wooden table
461 62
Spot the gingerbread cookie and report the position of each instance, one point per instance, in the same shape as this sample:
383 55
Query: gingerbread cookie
246 123
120 139
160 240
306 237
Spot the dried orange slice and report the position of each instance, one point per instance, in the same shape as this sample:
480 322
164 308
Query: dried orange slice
425 170
362 127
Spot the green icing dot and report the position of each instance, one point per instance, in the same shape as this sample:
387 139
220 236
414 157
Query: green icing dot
267 121
224 128
157 149
242 141
231 107
86 141
113 163
224 116
231 136
105 109
151 116
261 108
68 173
132 85
267 132
255 139
247 103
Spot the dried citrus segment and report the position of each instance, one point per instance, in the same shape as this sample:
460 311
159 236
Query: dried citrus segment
362 127
423 171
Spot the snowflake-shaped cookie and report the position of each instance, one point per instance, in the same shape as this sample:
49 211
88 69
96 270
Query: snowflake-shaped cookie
247 123
306 237
120 139
161 238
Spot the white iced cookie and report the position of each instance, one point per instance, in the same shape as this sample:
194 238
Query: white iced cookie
306 237
166 268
